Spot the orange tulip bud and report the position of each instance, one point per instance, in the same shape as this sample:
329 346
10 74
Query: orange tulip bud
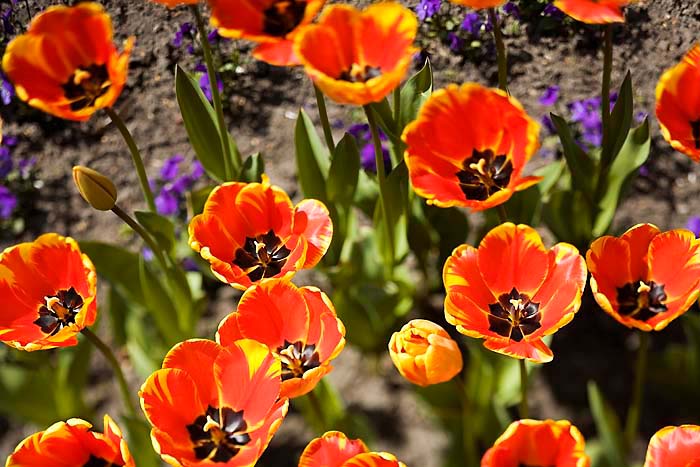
424 353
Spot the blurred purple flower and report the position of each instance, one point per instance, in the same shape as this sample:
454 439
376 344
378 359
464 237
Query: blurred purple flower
147 253
206 87
553 12
9 140
693 224
456 42
367 158
5 161
8 202
167 202
213 36
363 136
190 265
512 9
644 170
427 9
472 23
186 30
550 96
7 91
547 123
170 167
25 166
197 170
640 116
7 27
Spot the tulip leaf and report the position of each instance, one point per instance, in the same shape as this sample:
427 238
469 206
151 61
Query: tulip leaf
118 307
312 158
161 228
118 266
396 202
138 434
159 304
608 426
201 125
620 121
384 117
568 217
580 164
416 90
632 156
253 169
344 172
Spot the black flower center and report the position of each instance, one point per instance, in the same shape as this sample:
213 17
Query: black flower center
514 316
297 359
695 126
641 300
59 311
219 434
85 85
262 256
483 174
98 462
360 74
283 16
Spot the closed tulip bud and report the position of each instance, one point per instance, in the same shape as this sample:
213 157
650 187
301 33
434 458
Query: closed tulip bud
95 188
424 353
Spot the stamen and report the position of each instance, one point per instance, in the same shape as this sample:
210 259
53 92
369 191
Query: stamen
517 303
211 423
643 287
479 166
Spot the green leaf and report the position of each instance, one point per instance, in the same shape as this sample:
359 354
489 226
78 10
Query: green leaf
607 424
161 228
632 156
197 198
312 158
344 172
118 266
396 202
568 217
201 125
416 90
118 308
158 304
580 164
253 168
620 120
384 117
138 434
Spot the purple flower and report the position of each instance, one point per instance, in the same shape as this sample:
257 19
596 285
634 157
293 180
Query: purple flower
640 116
456 42
7 91
553 12
547 123
206 87
512 9
170 167
190 265
472 24
644 170
427 9
550 96
693 224
5 162
367 158
197 170
25 166
360 131
213 36
147 254
8 202
186 29
167 202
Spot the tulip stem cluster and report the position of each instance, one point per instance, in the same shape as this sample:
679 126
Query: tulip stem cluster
381 180
142 233
634 412
524 410
325 123
230 165
109 355
500 51
135 157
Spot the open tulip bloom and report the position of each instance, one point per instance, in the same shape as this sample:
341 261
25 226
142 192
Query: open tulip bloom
251 231
211 405
48 289
594 11
535 442
334 449
298 324
271 23
674 446
73 443
66 64
358 57
468 147
645 278
678 105
512 291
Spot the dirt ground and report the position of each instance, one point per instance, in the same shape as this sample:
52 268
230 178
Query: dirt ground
261 109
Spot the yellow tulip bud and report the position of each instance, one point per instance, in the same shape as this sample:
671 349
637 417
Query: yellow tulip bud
95 188
424 353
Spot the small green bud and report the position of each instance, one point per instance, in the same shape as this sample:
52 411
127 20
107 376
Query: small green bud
95 188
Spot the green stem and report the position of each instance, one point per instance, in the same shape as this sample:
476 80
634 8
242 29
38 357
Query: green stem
232 159
607 72
317 408
135 157
105 350
136 227
524 411
502 213
635 410
381 179
325 123
396 143
500 51
467 422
